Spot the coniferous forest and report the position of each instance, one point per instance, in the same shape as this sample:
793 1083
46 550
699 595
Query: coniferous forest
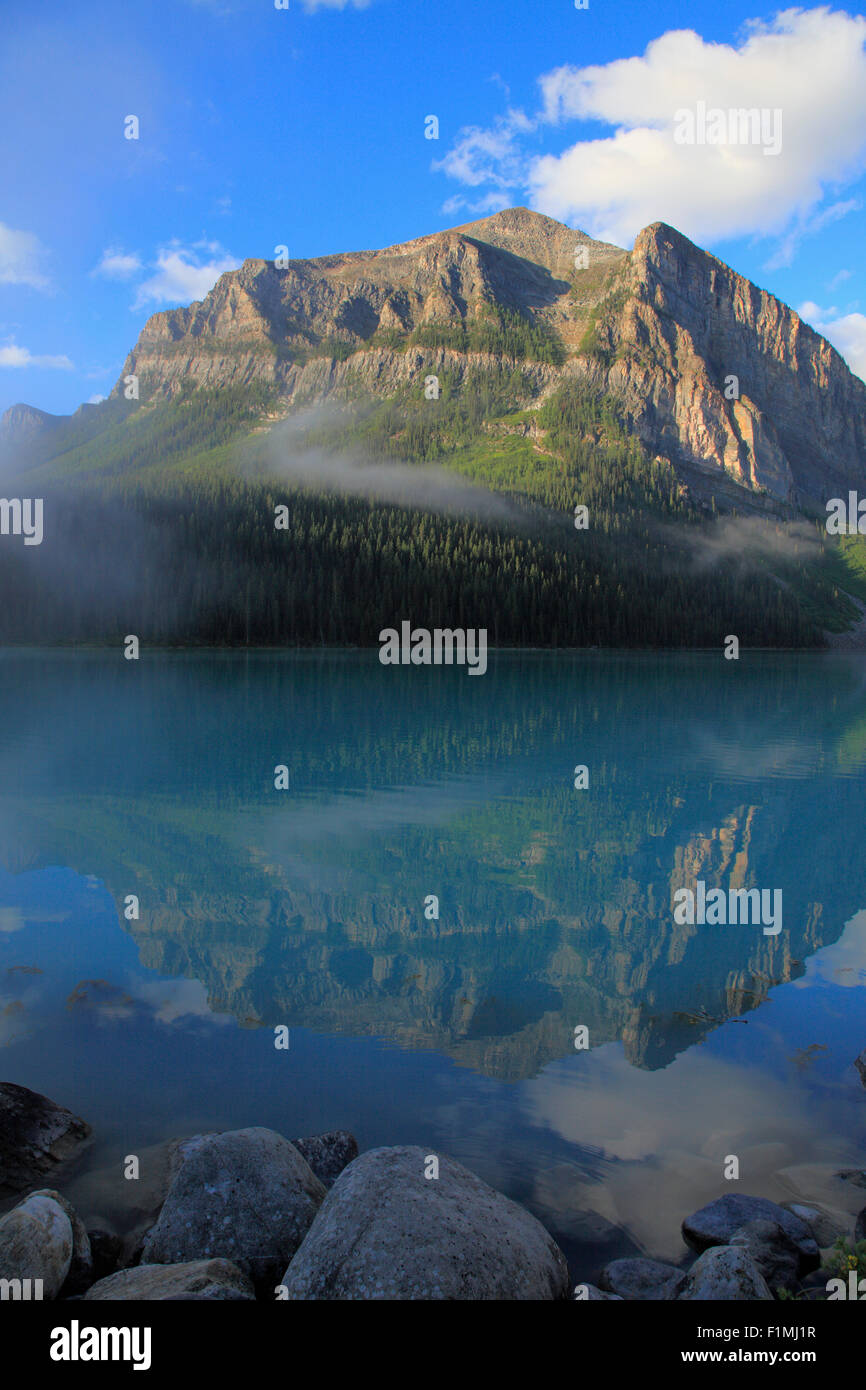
163 521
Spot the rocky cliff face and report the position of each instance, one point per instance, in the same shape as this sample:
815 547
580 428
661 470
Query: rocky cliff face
720 375
294 327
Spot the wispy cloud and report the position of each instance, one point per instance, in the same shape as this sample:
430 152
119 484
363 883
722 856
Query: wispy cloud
11 355
118 265
477 207
22 259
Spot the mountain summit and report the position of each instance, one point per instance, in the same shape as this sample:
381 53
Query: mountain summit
713 373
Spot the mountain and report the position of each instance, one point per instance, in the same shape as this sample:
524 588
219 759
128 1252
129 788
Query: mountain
661 328
21 423
657 388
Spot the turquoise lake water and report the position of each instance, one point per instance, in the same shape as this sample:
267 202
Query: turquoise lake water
305 907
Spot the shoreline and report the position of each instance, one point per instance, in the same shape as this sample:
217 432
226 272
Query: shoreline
249 1215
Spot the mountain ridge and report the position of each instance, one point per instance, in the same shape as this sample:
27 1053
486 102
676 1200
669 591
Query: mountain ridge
666 328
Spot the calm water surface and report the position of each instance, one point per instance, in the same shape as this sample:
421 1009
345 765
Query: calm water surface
305 907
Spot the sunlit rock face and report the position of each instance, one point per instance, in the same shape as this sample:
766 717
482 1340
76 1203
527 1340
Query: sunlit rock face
716 375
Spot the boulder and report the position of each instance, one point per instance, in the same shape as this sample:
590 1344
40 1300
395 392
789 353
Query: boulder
855 1176
197 1279
775 1254
642 1279
724 1272
246 1195
328 1154
719 1221
36 1136
36 1243
826 1224
860 1064
385 1231
80 1274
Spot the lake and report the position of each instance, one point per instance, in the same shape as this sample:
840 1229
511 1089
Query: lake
312 908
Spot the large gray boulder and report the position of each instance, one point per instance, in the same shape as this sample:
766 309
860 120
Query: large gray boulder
81 1264
719 1221
328 1154
36 1243
198 1279
724 1272
246 1196
774 1252
36 1137
639 1278
385 1231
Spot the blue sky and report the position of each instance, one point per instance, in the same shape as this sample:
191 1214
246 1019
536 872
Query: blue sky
306 127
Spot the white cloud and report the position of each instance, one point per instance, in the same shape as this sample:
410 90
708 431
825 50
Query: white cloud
117 264
184 274
11 355
847 333
21 259
807 64
96 400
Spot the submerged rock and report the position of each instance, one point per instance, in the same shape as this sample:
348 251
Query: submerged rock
385 1231
36 1136
246 1195
639 1278
825 1223
196 1279
724 1272
107 1200
36 1244
719 1221
328 1154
